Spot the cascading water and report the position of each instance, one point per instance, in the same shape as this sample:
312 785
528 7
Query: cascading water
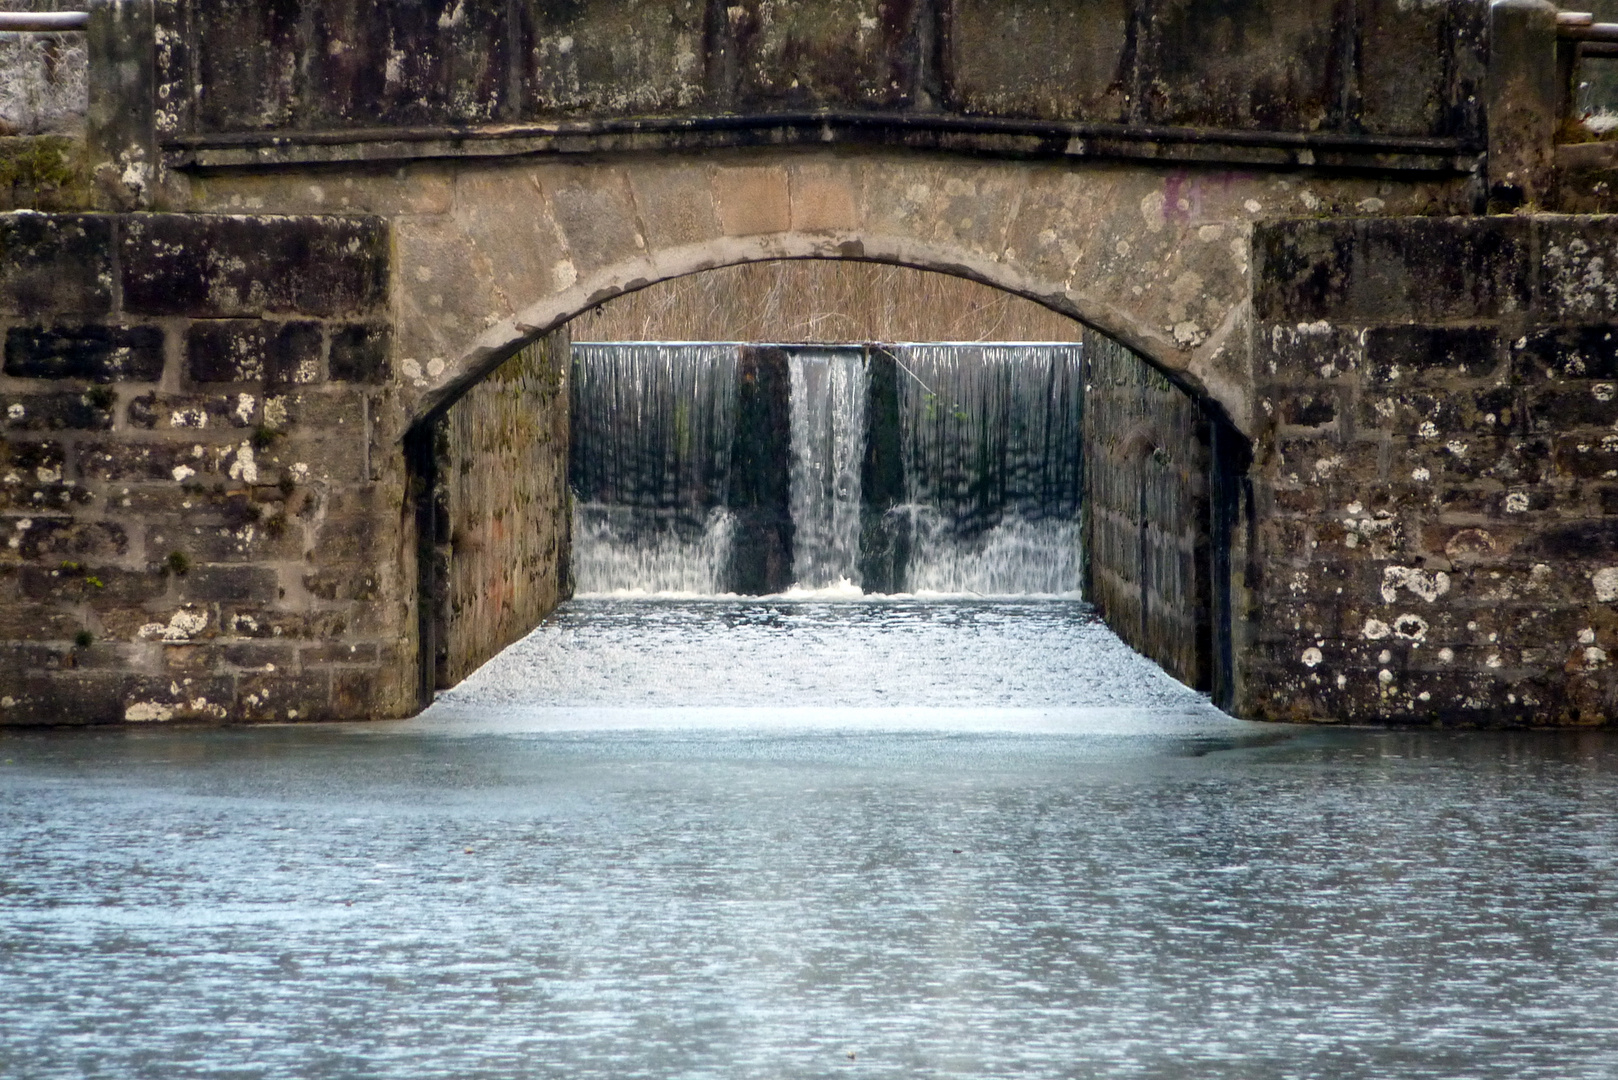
828 444
653 426
715 468
991 446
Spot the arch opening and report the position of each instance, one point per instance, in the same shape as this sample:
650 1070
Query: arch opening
1160 470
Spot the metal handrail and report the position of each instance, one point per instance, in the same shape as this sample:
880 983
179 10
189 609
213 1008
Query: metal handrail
43 22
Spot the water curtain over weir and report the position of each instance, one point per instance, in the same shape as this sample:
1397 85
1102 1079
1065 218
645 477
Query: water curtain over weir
725 468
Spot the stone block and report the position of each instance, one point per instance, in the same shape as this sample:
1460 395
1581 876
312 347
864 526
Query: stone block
101 586
192 412
356 694
229 584
1292 354
1573 352
253 350
178 462
676 204
251 541
332 459
360 352
98 352
56 264
209 266
37 621
352 581
329 653
1577 256
57 538
1559 407
1575 542
1374 270
1030 58
45 697
595 209
1439 414
1587 457
1476 457
69 410
266 656
283 695
164 698
1430 355
752 200
1308 409
329 408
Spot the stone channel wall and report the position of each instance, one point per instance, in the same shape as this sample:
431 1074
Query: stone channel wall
502 526
196 519
1437 476
1147 526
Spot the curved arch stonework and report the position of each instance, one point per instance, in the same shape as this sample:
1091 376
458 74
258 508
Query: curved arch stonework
1156 258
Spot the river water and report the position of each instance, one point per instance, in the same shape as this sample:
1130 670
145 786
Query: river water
777 837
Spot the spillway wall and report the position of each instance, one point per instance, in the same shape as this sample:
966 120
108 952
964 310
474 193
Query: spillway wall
499 526
1148 527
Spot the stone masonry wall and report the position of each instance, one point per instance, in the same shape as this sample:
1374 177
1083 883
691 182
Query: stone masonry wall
194 522
1437 479
1146 510
503 522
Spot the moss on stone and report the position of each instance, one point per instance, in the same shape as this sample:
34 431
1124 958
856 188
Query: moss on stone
44 172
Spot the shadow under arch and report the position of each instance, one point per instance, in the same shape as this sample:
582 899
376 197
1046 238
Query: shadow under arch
1186 369
1128 601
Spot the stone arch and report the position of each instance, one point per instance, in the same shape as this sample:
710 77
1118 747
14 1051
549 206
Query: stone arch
543 316
1154 259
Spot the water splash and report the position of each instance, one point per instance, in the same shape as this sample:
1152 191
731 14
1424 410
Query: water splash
828 445
616 552
993 468
652 431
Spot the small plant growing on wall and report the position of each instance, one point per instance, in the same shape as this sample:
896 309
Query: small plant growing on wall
177 563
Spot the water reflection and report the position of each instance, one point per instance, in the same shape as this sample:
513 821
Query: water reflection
516 894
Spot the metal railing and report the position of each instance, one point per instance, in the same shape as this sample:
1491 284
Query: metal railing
43 22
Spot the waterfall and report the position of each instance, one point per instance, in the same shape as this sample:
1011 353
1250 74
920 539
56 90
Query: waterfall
828 444
991 448
719 468
649 466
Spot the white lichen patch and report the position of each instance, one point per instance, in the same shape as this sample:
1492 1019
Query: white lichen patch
148 711
1375 629
244 468
1312 657
244 408
1428 586
182 473
16 411
1517 502
1411 627
182 626
1605 582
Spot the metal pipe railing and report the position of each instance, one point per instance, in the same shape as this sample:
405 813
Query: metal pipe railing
43 22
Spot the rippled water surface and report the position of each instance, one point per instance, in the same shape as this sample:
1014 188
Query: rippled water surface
798 839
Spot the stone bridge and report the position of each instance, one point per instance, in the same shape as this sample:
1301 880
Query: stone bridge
297 277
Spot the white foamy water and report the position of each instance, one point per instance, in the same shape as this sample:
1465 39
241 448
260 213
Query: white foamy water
612 550
828 448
